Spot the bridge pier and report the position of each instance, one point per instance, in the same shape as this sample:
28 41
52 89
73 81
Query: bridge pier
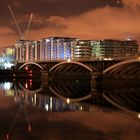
44 77
93 80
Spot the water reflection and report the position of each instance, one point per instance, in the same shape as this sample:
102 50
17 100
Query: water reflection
123 93
62 96
22 109
34 99
53 98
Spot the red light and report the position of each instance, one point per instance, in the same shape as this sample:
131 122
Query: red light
30 74
7 136
29 128
26 85
26 67
30 82
30 71
22 94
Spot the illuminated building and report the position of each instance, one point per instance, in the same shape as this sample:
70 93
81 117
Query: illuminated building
58 48
52 48
114 49
82 49
22 50
64 48
35 50
8 58
10 54
97 51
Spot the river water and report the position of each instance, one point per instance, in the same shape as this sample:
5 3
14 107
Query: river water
74 109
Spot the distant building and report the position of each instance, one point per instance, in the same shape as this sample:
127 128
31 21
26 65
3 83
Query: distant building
114 49
52 48
7 59
57 48
62 48
96 50
22 48
82 49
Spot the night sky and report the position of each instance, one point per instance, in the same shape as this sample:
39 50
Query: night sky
84 19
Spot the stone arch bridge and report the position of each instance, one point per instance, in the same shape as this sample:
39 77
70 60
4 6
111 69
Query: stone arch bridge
116 69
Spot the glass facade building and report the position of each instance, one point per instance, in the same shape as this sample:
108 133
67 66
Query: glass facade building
23 50
58 48
114 49
63 48
82 49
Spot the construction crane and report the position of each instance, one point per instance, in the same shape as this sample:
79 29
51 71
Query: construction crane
21 34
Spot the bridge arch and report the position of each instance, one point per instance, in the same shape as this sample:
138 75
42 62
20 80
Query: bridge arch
61 64
31 63
124 66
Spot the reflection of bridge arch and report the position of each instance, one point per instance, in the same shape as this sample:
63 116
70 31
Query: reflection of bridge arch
67 66
125 99
71 100
31 63
30 91
131 66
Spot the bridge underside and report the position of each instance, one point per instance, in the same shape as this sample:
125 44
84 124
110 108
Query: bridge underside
128 70
70 68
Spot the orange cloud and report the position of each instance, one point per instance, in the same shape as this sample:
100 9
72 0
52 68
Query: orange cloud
100 23
7 37
131 3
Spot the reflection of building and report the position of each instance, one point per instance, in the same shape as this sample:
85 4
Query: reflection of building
62 48
46 102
